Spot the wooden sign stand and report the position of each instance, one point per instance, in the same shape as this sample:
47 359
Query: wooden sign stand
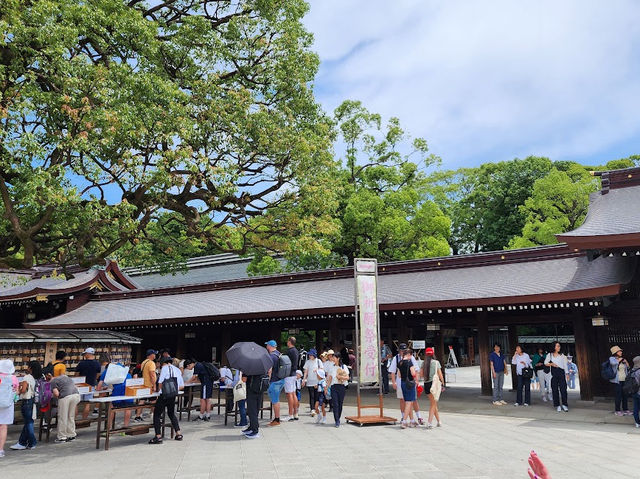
379 418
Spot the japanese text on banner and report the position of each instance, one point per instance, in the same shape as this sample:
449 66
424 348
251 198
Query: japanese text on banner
368 307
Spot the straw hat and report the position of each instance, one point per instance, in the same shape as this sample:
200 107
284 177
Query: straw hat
615 349
7 367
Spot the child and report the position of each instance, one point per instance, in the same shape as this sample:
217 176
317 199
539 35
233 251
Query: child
573 371
323 397
298 384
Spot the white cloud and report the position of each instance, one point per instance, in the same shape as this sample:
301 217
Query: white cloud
488 80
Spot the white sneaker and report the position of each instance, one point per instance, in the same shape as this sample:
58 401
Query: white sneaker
429 425
1 453
497 403
565 408
287 418
516 404
18 447
324 420
318 419
559 409
526 404
637 425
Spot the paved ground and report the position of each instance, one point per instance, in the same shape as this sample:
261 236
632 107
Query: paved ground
477 440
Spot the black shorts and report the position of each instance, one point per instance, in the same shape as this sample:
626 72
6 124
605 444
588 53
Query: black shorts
427 387
206 390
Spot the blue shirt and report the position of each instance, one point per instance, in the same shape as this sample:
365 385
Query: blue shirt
118 389
498 361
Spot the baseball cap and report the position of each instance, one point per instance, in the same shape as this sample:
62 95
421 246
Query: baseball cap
89 351
271 343
168 359
429 352
151 351
402 346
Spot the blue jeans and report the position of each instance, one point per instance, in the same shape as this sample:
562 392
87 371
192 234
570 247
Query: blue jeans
242 409
498 383
636 408
27 436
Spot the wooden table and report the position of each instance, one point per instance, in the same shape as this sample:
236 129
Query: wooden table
186 405
106 404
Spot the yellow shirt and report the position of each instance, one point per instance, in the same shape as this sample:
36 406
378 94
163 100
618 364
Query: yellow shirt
59 369
148 372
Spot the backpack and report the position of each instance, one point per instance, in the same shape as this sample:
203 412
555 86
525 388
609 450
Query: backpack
43 392
608 371
212 371
631 386
258 384
7 394
284 366
302 359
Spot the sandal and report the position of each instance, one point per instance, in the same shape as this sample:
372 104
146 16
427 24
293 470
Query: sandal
179 437
155 440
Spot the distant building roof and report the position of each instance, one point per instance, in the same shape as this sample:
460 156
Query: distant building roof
203 269
61 335
613 220
495 281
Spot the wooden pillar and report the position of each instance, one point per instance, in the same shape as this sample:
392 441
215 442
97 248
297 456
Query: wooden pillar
510 351
334 334
587 358
483 352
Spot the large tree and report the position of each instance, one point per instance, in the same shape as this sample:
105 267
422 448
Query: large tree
118 115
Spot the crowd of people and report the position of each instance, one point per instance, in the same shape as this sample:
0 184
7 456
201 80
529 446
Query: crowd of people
325 375
552 373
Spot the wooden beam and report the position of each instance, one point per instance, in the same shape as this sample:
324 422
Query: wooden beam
483 351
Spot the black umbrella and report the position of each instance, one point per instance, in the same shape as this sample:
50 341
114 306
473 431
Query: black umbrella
250 358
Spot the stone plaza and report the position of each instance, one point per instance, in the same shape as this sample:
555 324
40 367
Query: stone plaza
477 440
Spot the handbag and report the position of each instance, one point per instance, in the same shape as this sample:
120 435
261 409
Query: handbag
240 391
436 387
527 373
170 386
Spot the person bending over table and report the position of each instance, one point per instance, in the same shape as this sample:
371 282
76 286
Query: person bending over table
167 402
118 390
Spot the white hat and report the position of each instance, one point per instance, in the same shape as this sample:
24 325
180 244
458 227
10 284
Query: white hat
298 372
320 372
89 351
7 367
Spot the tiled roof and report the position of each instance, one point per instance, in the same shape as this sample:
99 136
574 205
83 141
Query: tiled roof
614 213
75 336
564 278
204 269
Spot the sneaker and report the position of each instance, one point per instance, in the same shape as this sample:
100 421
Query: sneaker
207 418
288 418
324 420
439 424
246 431
403 425
429 426
196 419
1 453
295 417
313 414
421 421
18 447
31 447
559 409
338 424
318 419
275 422
619 413
69 439
565 408
544 398
60 441
497 403
637 425
516 404
628 413
526 404
252 435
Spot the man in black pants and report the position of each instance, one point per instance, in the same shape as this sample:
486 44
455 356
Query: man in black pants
385 355
255 390
167 402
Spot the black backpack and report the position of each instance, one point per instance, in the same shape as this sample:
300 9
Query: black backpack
631 386
258 384
608 371
212 371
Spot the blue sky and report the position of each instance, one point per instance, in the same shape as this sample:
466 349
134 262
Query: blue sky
489 81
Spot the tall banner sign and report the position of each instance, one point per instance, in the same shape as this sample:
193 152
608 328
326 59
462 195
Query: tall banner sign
366 275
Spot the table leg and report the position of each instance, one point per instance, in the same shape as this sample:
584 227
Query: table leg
99 424
108 427
189 401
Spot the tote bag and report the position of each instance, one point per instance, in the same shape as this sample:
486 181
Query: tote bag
436 387
240 391
116 374
170 385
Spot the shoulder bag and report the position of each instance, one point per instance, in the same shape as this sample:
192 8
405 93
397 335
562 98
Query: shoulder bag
170 385
240 391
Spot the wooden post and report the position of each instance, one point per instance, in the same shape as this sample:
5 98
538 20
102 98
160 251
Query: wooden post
483 351
334 334
585 348
513 342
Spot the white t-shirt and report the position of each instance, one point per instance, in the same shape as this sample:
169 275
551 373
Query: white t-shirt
394 368
560 360
518 360
226 376
187 374
310 367
31 386
333 372
170 371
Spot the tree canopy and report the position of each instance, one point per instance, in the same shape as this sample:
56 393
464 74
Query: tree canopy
119 115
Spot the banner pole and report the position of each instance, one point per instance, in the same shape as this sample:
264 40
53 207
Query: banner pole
357 338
